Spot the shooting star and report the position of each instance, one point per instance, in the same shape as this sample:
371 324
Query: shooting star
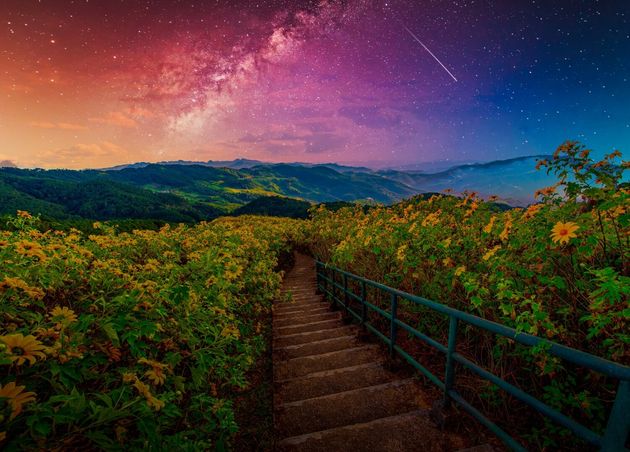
430 53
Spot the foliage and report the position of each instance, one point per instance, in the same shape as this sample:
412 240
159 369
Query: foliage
558 269
179 193
275 206
72 195
139 340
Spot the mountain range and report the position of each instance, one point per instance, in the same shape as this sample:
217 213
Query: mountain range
190 191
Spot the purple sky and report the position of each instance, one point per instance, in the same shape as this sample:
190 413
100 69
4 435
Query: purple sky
96 83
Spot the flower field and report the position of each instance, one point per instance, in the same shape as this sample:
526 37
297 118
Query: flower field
145 339
558 269
134 340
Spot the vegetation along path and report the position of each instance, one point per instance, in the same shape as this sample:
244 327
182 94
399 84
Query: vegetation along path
331 391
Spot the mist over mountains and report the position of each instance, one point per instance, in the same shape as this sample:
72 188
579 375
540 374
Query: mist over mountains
192 191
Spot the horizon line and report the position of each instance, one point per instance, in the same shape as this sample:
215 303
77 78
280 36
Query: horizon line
371 164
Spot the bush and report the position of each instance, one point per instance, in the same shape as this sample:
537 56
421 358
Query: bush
141 339
557 269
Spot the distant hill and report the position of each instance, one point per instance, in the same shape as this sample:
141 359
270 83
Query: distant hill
187 191
513 180
181 193
233 164
70 194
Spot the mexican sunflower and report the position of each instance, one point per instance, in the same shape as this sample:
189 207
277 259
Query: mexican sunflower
22 349
63 314
15 397
563 232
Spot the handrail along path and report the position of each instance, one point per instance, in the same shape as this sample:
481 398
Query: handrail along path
333 281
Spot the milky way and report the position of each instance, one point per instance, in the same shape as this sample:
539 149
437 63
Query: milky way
96 83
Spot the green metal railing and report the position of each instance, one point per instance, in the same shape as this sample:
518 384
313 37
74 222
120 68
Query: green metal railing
332 281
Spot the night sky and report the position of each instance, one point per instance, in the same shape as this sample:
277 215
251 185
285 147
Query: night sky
103 82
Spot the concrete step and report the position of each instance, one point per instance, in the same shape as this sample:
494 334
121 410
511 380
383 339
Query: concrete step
332 381
290 308
301 299
310 336
407 432
308 311
293 302
308 299
301 292
301 309
313 326
315 348
301 319
299 367
349 407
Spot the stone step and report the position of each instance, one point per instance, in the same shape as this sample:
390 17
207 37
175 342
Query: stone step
293 302
308 311
349 407
300 310
299 367
315 348
310 336
332 381
310 295
301 319
408 432
306 299
314 326
287 308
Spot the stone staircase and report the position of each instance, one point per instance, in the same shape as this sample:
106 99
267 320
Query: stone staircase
333 392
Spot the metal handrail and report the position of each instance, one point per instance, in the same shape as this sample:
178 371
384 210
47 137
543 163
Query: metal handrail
618 425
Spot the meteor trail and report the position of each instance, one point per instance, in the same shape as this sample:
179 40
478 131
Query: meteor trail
427 49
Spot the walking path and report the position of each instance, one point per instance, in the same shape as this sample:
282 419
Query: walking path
333 392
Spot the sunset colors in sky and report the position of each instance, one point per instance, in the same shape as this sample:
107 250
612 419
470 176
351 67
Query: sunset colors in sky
104 82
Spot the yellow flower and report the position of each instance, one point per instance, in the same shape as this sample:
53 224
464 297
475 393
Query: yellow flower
156 373
3 436
152 401
22 349
128 377
473 207
563 232
15 397
64 314
432 219
460 270
491 252
506 229
488 228
17 283
400 253
30 249
24 214
230 331
532 210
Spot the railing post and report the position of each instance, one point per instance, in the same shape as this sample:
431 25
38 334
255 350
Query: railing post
449 378
618 426
363 306
345 291
393 330
333 287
